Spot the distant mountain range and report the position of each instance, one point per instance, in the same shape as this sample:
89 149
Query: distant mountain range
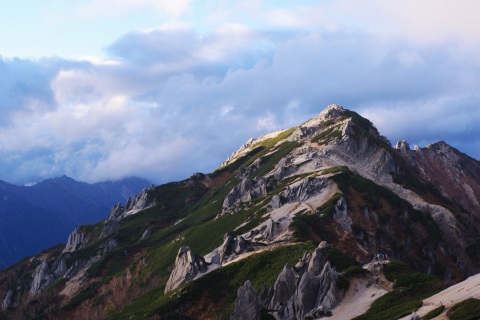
36 217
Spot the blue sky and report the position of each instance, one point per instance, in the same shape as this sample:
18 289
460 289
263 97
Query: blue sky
104 89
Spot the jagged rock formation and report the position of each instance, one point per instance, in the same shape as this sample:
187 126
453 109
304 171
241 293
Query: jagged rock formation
231 248
8 302
187 266
332 178
298 293
141 201
245 191
248 305
42 277
76 240
304 189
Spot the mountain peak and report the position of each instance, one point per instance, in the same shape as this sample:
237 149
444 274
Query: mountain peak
332 111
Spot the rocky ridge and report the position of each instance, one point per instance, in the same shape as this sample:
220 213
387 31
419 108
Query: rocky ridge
333 178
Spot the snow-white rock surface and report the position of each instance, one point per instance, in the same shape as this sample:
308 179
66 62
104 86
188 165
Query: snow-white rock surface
469 288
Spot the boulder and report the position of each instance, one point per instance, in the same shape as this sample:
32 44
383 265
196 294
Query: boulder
319 257
247 305
283 288
306 294
187 266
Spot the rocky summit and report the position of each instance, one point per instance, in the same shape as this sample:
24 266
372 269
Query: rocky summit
326 219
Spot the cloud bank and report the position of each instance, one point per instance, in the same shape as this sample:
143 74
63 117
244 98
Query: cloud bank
172 100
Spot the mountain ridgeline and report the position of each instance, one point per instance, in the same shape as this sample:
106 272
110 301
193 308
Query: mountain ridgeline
37 217
281 230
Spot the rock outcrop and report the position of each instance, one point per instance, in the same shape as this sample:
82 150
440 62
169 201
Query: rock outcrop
309 128
42 277
247 305
298 293
231 248
8 301
141 201
245 191
304 189
187 266
76 240
341 215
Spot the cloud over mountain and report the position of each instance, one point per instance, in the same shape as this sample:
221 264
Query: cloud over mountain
171 100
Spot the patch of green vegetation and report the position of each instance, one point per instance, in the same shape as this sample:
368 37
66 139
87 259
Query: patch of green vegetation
360 121
372 193
328 122
339 169
339 260
231 167
410 288
270 143
328 208
309 227
269 161
434 313
218 287
355 271
466 310
86 294
254 221
57 283
342 282
390 307
408 177
264 315
327 135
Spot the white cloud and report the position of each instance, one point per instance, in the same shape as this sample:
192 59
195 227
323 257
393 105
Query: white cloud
171 9
170 101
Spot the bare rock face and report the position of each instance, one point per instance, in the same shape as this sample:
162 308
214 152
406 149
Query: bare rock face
145 199
341 215
304 189
284 288
309 290
284 168
76 240
141 201
42 277
8 302
246 190
247 304
460 178
306 295
187 266
310 127
318 259
403 146
230 249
